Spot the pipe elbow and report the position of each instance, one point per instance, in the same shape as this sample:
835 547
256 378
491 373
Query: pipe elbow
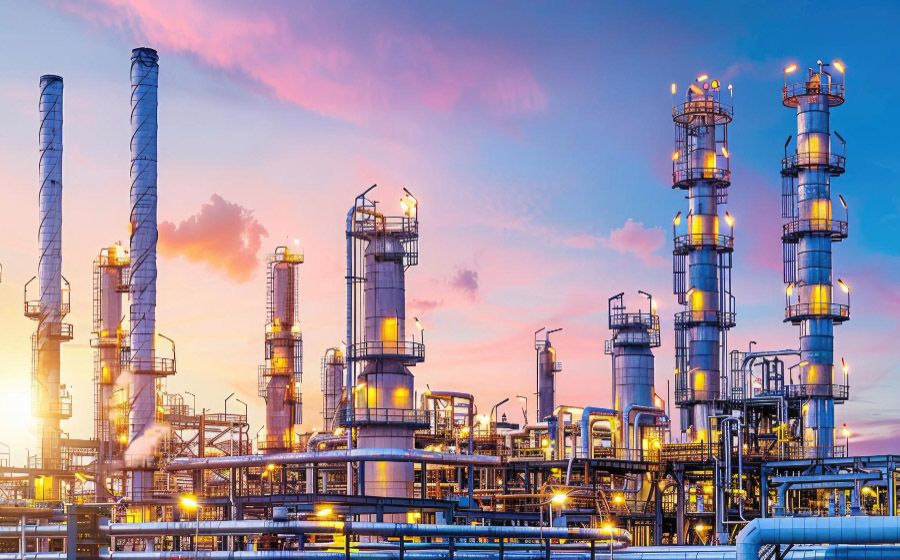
749 541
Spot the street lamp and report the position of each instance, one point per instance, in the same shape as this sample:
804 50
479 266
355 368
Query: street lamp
241 429
559 499
173 348
231 435
257 435
845 288
190 502
524 401
846 433
421 328
496 406
609 529
194 405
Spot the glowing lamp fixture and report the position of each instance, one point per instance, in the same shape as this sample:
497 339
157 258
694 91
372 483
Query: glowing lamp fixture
843 202
677 219
702 77
675 155
419 324
844 286
324 512
618 499
607 528
789 290
790 68
845 431
559 498
715 84
360 387
839 65
189 502
844 366
729 220
725 151
270 467
674 89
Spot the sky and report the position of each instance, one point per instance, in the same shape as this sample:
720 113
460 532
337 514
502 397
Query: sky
537 137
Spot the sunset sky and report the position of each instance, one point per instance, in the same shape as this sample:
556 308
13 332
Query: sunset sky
536 136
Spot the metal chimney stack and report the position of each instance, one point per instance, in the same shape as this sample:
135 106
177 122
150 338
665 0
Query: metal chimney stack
547 368
333 365
807 237
144 235
50 402
279 378
702 255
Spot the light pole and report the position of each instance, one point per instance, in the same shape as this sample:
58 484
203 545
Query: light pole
496 406
846 433
230 427
537 374
609 529
190 502
257 436
524 401
194 405
421 329
559 499
173 348
241 429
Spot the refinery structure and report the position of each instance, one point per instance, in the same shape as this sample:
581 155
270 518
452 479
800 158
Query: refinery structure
743 464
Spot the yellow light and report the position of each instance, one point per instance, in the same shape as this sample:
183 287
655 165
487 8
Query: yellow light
618 499
360 386
123 438
607 528
675 155
790 68
545 442
338 431
677 219
839 66
844 366
656 444
728 219
724 151
419 324
702 78
324 512
846 432
790 289
81 478
708 489
189 502
559 498
270 467
674 89
701 528
714 84
844 286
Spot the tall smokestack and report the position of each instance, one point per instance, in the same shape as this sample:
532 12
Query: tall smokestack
144 234
47 404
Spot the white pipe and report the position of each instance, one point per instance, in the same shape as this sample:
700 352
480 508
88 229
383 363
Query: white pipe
337 456
586 426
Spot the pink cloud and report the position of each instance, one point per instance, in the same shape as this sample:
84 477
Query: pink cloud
333 65
224 235
639 241
466 281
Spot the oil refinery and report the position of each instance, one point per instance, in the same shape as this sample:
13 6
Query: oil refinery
746 464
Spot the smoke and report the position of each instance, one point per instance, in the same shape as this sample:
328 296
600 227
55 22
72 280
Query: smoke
145 445
224 235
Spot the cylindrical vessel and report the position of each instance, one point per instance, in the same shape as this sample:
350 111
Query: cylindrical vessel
281 411
546 360
46 386
332 387
144 235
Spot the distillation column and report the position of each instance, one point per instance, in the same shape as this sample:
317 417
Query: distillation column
144 235
332 387
380 249
807 238
110 399
702 256
631 347
279 378
547 368
50 401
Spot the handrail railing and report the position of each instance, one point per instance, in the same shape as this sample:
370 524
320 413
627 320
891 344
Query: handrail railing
838 391
834 163
836 228
157 366
688 241
722 112
824 310
724 318
403 416
681 176
402 349
792 92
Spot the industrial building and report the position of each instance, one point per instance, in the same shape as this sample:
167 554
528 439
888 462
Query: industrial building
748 468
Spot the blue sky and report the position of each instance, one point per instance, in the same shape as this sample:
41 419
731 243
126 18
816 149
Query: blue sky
536 135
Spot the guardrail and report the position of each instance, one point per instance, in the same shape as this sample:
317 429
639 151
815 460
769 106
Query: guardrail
156 366
687 241
837 391
681 178
396 416
833 163
837 312
405 350
33 308
792 230
792 93
722 112
723 318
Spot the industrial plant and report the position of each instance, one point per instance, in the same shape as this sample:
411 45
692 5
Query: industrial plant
743 464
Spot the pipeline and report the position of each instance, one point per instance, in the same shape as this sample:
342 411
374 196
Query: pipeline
832 530
586 426
338 456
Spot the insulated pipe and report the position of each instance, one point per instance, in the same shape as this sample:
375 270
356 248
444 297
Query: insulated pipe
46 376
627 421
586 425
338 456
800 530
144 235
